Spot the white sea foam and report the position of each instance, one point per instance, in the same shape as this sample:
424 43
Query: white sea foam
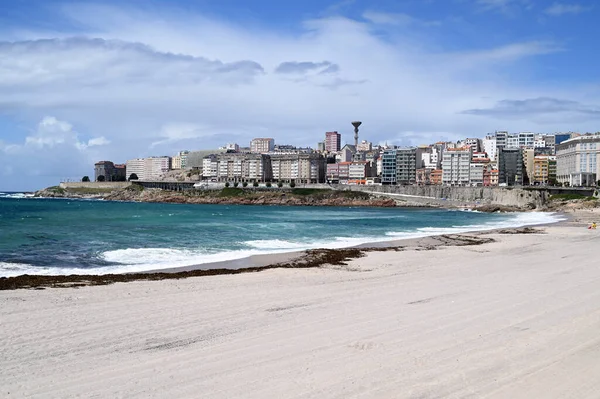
16 195
143 259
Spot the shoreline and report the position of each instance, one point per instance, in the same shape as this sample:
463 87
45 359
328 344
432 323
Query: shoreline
309 258
501 315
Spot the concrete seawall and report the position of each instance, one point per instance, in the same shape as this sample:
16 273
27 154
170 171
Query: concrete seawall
468 195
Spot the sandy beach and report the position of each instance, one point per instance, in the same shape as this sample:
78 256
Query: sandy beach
515 318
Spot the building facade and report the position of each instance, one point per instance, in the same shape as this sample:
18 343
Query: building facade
578 160
511 169
261 145
333 141
456 166
135 167
299 168
237 167
108 171
154 167
388 167
406 165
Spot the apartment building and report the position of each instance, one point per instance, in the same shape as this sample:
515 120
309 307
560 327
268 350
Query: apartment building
489 147
406 165
333 141
262 145
388 167
136 167
578 160
511 169
300 168
476 171
456 166
237 167
544 170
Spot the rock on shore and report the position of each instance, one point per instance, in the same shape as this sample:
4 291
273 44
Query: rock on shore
239 197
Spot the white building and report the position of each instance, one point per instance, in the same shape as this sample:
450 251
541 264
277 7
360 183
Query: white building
135 166
526 139
148 168
210 167
456 166
578 160
489 147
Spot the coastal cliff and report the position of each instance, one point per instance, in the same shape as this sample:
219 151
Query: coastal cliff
233 196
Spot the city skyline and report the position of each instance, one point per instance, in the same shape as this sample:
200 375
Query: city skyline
118 80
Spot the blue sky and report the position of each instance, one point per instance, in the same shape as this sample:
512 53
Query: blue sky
84 81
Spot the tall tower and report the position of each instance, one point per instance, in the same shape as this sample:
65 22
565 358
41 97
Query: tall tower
356 124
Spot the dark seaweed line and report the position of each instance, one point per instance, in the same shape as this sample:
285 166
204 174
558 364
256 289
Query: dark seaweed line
312 258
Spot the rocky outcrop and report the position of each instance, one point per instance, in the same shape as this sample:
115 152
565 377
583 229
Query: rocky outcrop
258 198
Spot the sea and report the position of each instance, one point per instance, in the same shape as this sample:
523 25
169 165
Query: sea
45 236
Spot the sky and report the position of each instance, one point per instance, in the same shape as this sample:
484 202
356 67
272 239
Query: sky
84 81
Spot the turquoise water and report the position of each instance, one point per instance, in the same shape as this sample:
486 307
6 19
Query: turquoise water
59 236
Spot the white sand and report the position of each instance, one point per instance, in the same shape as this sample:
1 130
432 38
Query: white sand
519 318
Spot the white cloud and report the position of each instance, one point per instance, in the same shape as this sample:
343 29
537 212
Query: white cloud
504 6
53 150
558 9
98 141
396 19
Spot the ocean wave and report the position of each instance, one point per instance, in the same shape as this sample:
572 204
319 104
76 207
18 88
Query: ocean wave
16 195
132 260
516 220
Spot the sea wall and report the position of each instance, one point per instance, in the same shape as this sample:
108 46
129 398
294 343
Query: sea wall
115 185
507 196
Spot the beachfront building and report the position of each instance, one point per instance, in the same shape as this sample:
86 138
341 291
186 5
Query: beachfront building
388 167
135 167
544 170
511 170
333 141
210 167
155 167
237 167
476 171
578 160
528 161
262 145
299 168
108 171
456 166
399 166
406 165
